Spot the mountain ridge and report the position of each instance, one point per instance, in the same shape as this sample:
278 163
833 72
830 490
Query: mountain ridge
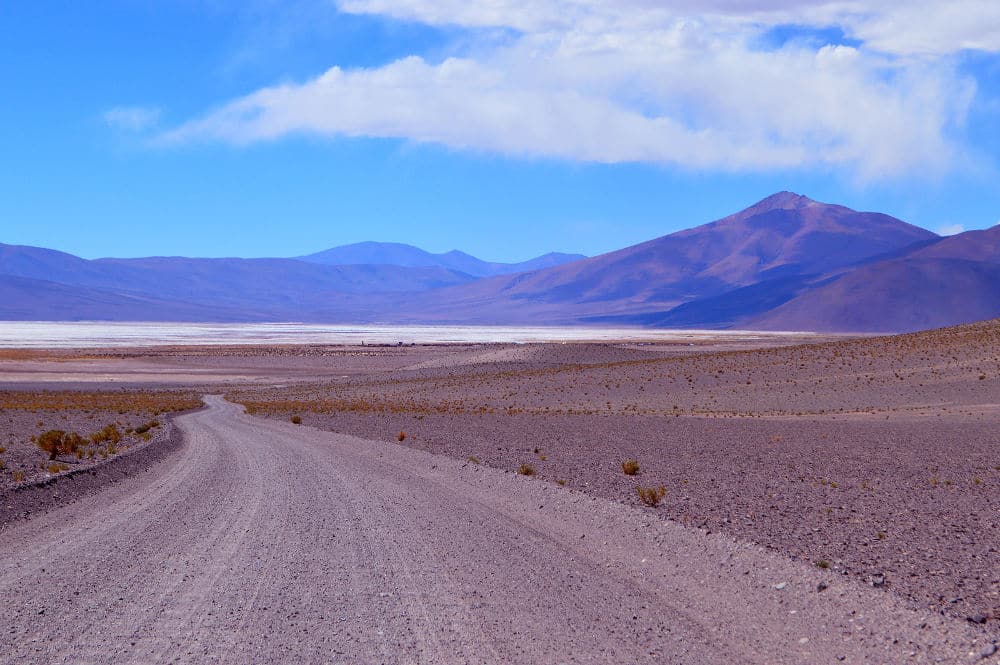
785 262
400 254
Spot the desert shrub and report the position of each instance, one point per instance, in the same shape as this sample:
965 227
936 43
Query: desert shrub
51 442
296 420
473 459
401 437
109 434
142 429
18 476
526 470
56 442
823 563
630 467
651 496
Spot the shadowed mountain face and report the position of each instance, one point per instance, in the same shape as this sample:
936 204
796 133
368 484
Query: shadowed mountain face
787 262
397 254
954 280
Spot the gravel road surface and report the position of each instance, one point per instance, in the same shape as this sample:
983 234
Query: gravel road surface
262 541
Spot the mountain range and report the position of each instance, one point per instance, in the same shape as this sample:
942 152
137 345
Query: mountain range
408 256
785 263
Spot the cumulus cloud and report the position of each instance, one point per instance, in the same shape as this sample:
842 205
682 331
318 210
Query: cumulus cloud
131 118
636 81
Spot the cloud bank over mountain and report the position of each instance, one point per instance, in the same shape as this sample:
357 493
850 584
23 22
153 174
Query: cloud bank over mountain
872 88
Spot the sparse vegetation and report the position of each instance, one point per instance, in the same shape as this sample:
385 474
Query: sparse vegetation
526 470
142 429
296 420
401 436
823 563
57 442
106 401
651 496
630 467
108 434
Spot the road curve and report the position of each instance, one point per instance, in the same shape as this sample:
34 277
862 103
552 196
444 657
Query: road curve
263 541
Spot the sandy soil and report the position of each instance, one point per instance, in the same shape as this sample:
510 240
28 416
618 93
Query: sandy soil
269 542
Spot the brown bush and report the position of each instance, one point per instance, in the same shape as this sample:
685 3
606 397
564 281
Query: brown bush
109 434
650 496
57 442
630 467
51 442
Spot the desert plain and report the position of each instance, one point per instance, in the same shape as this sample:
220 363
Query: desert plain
850 484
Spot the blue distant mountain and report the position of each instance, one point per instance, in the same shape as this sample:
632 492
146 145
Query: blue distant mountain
787 262
398 254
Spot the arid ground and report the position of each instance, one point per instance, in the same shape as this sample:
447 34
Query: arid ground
868 468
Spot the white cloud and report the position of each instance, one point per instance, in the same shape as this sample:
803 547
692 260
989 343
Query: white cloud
892 26
950 229
131 118
632 81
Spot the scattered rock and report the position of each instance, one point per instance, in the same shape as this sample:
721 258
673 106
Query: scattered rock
780 585
987 651
877 580
977 618
822 586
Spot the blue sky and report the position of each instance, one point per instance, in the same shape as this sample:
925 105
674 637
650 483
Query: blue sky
264 128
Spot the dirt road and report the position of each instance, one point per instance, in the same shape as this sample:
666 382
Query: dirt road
268 542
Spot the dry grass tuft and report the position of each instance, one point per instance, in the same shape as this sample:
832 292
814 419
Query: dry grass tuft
526 470
651 496
57 442
56 467
401 436
296 420
630 467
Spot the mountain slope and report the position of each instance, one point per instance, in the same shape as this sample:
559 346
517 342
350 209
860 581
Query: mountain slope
787 262
26 299
955 280
784 236
249 285
398 254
